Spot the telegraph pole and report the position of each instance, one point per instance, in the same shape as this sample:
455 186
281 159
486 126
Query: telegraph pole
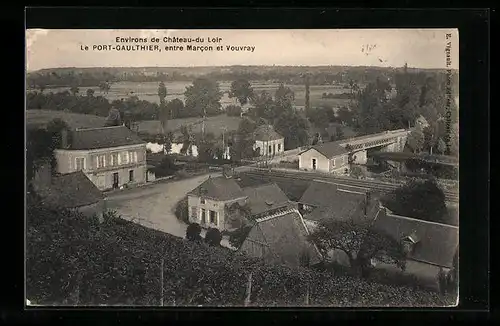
161 282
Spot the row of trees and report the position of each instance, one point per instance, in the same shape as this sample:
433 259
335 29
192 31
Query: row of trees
418 94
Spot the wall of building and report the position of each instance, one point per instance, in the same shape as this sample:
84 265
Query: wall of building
210 205
339 164
102 177
277 147
305 161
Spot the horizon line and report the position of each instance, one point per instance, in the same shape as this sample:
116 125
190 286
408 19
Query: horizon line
238 65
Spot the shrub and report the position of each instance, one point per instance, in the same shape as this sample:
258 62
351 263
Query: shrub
239 235
181 174
233 110
213 237
181 210
193 232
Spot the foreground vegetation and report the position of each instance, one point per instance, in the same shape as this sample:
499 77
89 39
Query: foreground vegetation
74 260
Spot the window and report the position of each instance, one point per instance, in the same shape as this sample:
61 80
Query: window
202 200
101 161
274 148
279 147
203 216
131 175
124 157
213 217
333 162
114 159
133 157
314 164
194 213
269 149
80 163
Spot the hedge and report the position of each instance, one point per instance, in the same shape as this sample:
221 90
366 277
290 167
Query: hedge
119 262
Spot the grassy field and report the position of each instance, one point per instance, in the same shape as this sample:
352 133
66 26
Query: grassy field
213 125
39 118
149 91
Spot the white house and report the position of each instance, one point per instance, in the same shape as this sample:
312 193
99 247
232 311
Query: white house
327 157
268 141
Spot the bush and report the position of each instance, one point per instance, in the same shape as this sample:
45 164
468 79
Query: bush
181 210
181 174
193 232
239 235
213 237
233 110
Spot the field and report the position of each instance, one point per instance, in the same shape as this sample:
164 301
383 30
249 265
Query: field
213 125
149 91
74 120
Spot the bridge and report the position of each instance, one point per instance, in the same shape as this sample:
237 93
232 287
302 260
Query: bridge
387 141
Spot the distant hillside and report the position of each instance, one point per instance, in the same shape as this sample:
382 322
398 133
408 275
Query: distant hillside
40 118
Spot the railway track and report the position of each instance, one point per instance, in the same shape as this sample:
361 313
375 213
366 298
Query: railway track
383 187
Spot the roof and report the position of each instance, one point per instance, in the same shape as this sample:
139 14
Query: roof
265 198
220 188
321 194
266 133
105 137
71 190
437 243
285 235
329 149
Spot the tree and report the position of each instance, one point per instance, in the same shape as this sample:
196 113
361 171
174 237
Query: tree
243 140
213 237
238 236
181 209
241 90
113 118
339 133
193 232
307 97
358 241
233 110
175 109
295 128
90 92
441 146
419 199
74 90
416 139
203 97
162 92
345 115
284 98
104 87
263 106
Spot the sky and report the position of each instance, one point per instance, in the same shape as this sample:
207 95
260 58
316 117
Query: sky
419 48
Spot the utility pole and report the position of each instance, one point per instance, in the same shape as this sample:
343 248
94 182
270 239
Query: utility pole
161 282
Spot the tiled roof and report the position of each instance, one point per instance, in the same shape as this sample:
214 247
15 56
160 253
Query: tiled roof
265 198
437 243
106 137
266 133
329 149
70 191
220 188
285 235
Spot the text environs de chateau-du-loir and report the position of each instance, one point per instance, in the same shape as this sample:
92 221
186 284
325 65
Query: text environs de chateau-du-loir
174 44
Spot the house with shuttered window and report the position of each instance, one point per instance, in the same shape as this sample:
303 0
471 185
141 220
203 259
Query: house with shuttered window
111 157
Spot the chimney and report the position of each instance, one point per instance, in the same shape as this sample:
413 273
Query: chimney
64 138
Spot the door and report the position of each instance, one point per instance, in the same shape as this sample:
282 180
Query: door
314 164
115 180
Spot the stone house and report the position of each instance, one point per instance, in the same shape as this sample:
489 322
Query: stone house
268 141
326 157
209 203
111 157
431 248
